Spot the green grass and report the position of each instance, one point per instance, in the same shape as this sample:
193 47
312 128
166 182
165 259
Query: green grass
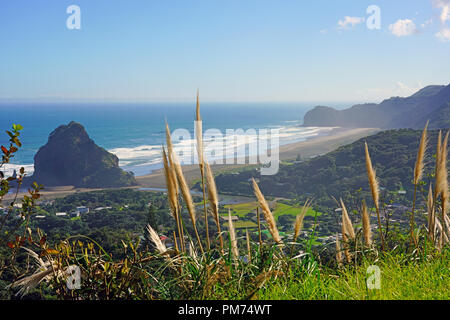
285 209
281 209
241 209
400 280
241 224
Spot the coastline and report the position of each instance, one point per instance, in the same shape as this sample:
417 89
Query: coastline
311 147
308 148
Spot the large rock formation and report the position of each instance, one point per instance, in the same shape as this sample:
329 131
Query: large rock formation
70 157
430 103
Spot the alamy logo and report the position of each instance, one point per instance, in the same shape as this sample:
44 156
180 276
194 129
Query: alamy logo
373 277
373 22
73 281
236 146
74 20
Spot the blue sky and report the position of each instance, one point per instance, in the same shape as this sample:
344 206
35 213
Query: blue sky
233 50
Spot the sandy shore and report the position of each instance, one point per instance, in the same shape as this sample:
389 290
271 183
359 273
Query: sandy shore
309 148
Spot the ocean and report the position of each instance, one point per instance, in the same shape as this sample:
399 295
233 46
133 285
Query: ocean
135 131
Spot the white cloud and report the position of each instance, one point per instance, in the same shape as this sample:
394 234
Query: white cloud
444 6
403 28
323 31
443 35
349 21
404 90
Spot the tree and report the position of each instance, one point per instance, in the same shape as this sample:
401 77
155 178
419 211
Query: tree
152 217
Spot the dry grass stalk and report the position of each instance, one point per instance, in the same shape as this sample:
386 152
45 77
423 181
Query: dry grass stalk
418 168
373 183
438 151
186 193
171 154
249 248
183 185
212 194
443 234
442 173
171 188
172 194
199 133
431 215
442 188
233 241
447 221
266 212
347 231
345 245
156 240
175 242
298 225
339 257
192 251
437 179
32 281
44 272
366 225
213 200
173 176
199 139
418 172
347 223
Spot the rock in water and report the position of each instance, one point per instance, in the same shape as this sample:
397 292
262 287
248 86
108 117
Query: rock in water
70 157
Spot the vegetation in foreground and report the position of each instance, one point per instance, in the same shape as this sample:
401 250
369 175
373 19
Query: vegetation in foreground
402 278
227 267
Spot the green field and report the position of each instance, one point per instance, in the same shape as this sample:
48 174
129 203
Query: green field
242 224
281 209
241 209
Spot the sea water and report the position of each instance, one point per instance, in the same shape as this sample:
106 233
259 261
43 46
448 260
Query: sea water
135 131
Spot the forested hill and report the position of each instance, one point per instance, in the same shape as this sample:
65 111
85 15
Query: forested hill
342 172
430 103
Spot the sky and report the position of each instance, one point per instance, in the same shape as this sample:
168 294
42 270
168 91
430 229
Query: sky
232 50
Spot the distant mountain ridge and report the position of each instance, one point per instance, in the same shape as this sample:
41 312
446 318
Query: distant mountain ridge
430 103
70 157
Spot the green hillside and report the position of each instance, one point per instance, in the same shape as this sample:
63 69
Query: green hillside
342 172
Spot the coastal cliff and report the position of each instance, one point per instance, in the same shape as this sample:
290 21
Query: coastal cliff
70 157
430 103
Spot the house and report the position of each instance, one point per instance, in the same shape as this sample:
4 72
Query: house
102 208
61 214
83 209
74 214
166 241
233 218
17 205
39 217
